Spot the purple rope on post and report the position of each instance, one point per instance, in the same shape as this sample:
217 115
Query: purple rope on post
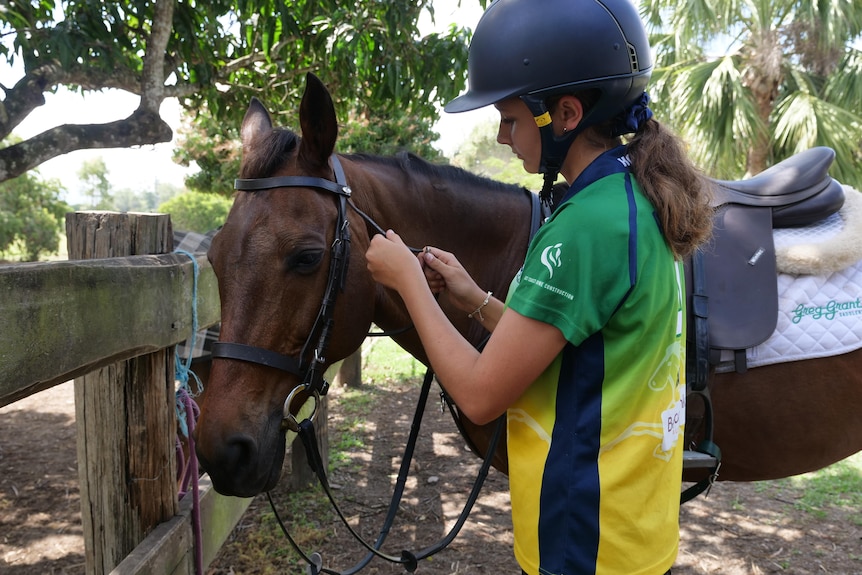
191 476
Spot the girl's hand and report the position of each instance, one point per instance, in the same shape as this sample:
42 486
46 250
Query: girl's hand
444 272
390 261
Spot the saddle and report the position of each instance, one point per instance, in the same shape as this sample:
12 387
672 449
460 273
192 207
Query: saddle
731 282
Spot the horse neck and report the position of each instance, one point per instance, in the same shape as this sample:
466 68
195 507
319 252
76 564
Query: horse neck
486 227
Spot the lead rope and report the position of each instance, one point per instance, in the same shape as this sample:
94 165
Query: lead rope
187 412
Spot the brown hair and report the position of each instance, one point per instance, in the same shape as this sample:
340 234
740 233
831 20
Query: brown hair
679 192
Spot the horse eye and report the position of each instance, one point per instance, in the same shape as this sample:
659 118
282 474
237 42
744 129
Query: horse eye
304 262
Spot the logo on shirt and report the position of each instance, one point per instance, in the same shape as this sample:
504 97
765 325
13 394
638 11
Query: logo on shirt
551 258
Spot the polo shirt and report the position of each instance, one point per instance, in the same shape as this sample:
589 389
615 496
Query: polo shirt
595 455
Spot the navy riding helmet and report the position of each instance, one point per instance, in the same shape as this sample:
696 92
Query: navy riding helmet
539 48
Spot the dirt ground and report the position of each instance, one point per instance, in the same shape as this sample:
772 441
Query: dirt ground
740 529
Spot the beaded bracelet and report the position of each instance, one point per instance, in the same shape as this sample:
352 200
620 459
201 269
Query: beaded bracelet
478 310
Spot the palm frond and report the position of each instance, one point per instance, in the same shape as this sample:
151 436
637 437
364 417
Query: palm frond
844 87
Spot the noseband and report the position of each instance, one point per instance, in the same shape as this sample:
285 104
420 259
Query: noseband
309 370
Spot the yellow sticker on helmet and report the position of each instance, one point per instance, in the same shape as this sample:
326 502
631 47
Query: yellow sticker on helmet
543 120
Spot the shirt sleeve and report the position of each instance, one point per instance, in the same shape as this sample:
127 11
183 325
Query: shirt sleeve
578 269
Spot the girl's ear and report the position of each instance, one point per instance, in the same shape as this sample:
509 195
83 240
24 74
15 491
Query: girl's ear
569 112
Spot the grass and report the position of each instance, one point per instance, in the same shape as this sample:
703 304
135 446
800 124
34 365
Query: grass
384 361
838 486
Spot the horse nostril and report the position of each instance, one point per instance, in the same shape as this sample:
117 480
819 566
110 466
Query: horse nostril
240 450
238 463
230 464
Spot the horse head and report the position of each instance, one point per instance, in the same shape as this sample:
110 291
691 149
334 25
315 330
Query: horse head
274 260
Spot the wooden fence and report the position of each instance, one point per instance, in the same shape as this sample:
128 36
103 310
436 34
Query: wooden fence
111 323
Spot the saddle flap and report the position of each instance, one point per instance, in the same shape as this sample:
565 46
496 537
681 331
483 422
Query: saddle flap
741 283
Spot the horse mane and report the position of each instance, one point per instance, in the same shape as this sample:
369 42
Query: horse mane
269 154
411 163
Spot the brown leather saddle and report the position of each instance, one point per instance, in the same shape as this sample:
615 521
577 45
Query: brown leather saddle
731 282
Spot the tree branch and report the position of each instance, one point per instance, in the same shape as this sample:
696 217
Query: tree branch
153 76
140 128
25 96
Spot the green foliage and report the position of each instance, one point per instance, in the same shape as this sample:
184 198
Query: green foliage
371 54
481 154
128 200
31 216
748 84
197 211
216 149
399 132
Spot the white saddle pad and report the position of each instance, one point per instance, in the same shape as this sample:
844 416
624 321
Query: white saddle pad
818 315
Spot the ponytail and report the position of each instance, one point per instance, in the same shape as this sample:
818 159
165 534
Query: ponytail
679 192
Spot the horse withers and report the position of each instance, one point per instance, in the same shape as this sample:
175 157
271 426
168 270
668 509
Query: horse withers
283 292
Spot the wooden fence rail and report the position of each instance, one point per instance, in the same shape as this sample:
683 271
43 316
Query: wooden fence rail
78 319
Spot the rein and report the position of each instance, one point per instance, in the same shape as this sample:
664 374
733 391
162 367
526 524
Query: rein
408 559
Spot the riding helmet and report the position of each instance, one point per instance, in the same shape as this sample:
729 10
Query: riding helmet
538 48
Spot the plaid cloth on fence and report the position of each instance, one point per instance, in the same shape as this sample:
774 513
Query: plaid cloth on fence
194 242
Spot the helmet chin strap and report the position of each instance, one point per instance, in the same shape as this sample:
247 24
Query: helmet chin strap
554 147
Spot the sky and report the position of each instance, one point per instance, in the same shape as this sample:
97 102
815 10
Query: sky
142 167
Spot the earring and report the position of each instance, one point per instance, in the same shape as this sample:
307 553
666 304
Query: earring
565 129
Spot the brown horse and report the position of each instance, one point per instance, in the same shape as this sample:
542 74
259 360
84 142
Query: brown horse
275 257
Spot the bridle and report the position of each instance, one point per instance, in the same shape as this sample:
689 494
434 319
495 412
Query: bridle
309 370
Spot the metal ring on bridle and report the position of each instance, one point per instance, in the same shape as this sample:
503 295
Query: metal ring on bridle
289 421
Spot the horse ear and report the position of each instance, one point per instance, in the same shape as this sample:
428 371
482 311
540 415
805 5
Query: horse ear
255 122
318 123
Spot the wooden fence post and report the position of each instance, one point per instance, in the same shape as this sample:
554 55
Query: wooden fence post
125 412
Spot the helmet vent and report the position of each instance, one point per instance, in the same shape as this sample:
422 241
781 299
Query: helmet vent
633 56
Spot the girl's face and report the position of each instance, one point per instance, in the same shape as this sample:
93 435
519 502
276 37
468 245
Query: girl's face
518 130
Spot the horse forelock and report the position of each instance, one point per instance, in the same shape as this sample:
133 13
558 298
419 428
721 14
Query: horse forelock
269 153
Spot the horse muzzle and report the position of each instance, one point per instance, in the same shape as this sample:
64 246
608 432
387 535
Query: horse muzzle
239 464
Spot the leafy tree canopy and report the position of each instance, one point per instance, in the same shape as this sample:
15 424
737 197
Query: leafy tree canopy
197 211
482 155
94 175
750 83
31 215
214 56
